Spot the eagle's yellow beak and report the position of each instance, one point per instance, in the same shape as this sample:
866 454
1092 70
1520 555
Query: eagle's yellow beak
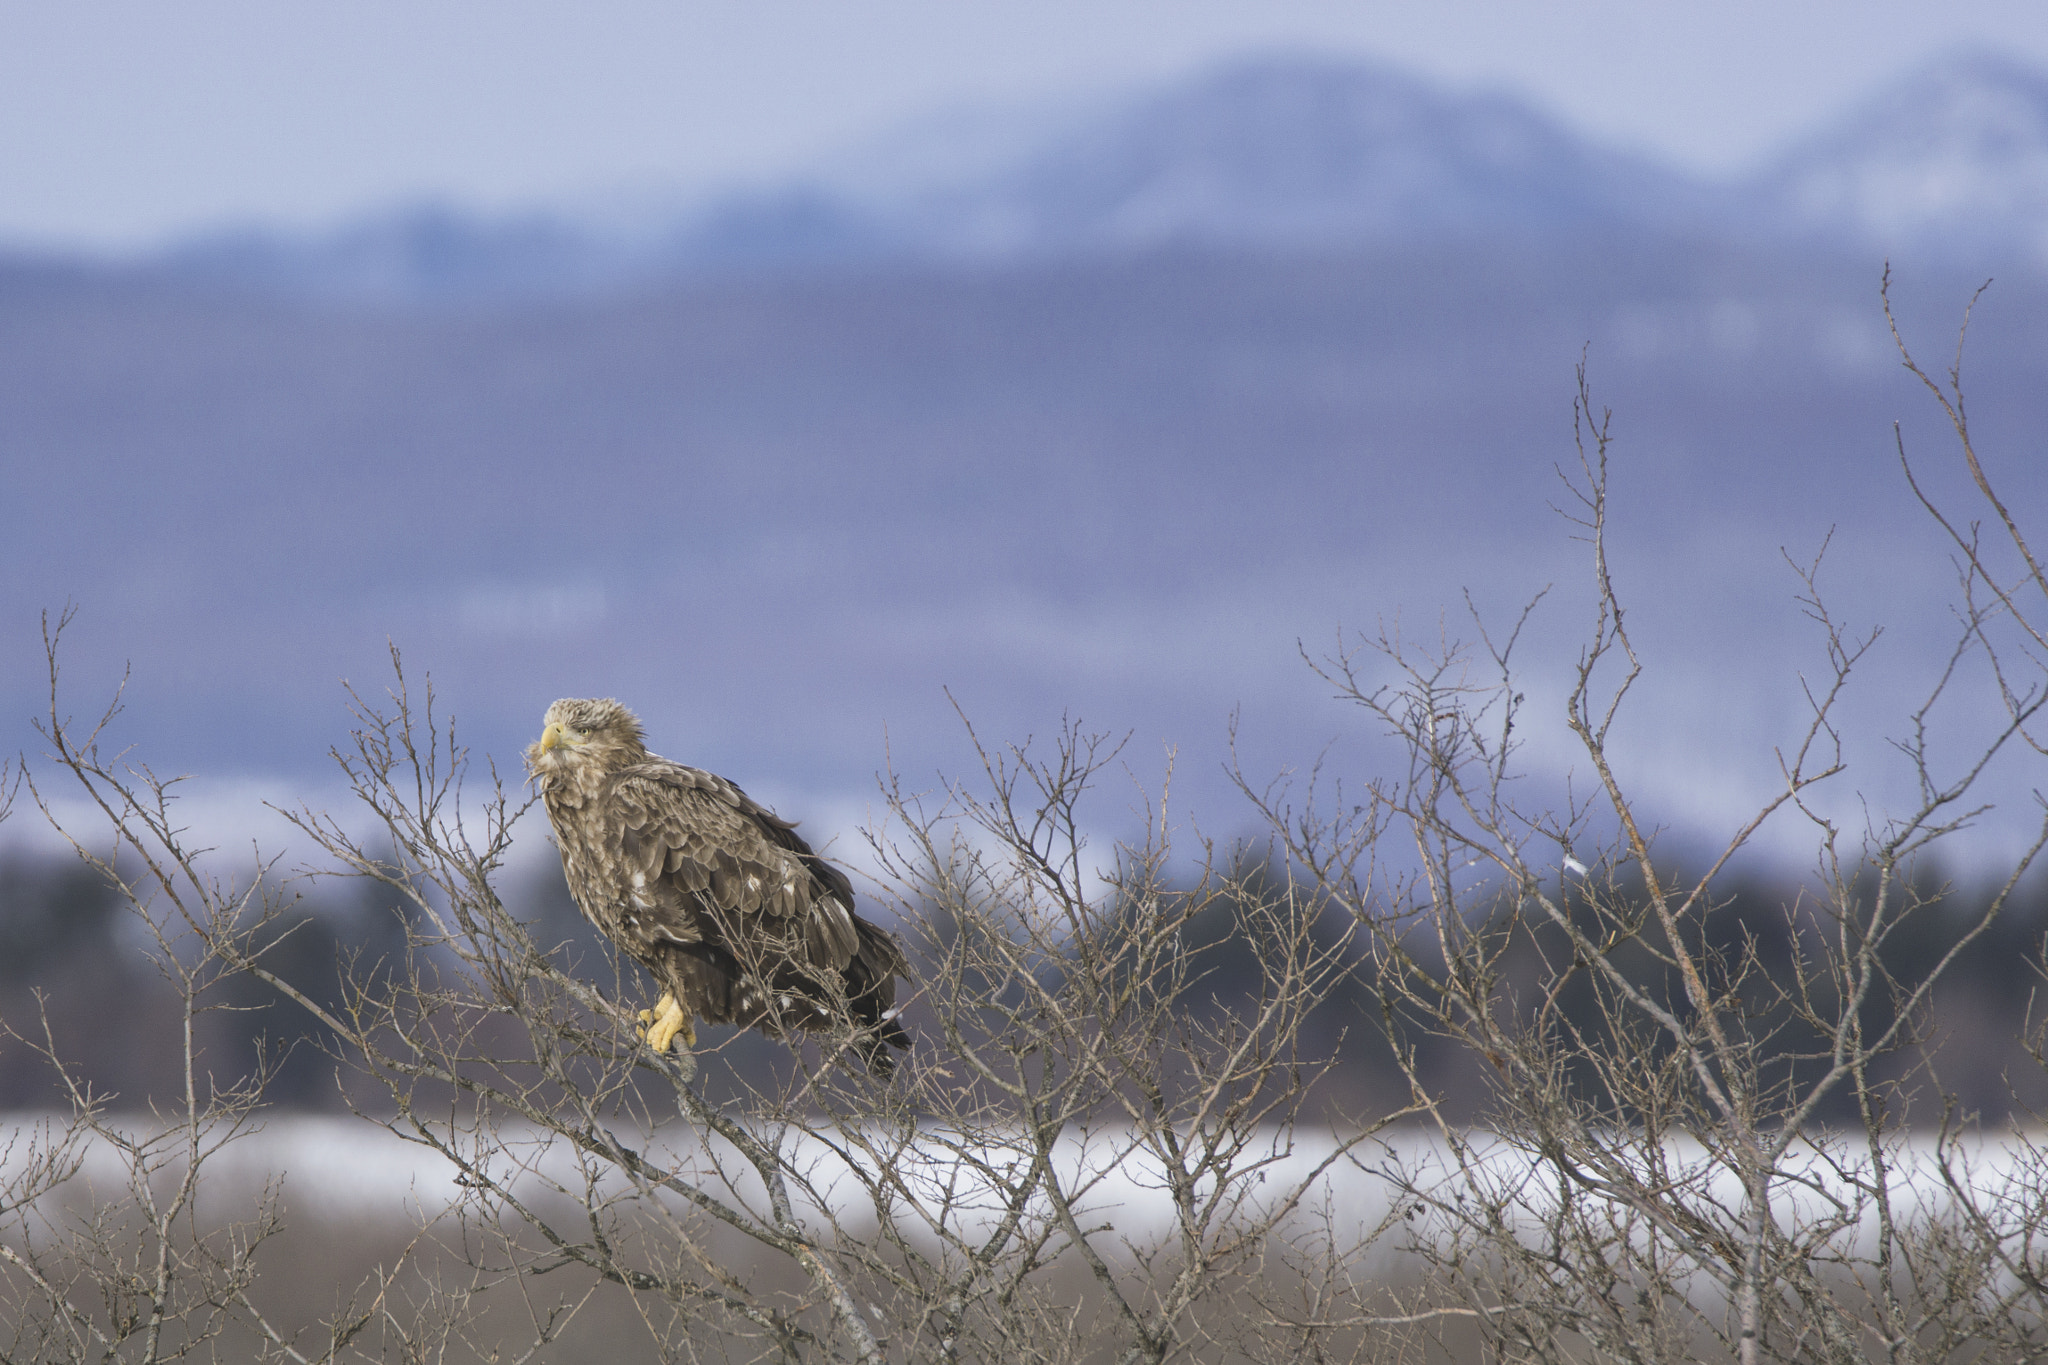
550 737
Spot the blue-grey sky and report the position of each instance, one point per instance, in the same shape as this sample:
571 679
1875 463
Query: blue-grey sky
123 122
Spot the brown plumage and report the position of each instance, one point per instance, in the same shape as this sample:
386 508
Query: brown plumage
738 920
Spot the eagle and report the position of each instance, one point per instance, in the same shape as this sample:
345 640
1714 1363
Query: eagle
736 918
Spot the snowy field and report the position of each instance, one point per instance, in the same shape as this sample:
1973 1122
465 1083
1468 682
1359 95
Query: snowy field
356 1204
340 1169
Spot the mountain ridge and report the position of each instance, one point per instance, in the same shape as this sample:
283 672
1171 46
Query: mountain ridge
1950 161
1275 152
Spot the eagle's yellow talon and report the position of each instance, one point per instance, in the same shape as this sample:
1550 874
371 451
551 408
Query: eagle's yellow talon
661 1007
665 1021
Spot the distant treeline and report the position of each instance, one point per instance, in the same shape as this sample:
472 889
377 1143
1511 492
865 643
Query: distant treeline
77 976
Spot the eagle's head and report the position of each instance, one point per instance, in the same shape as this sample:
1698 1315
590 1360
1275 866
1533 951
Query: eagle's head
588 734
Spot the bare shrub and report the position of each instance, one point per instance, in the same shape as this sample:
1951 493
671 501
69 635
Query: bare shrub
1091 1154
1662 1176
106 1252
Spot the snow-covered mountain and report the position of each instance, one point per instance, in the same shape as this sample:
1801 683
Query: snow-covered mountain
1948 167
1278 152
1950 163
1284 152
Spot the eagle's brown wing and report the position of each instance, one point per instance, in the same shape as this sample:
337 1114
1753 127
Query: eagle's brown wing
736 913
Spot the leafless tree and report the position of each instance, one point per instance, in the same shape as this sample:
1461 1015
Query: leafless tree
106 1252
1663 1173
1091 1153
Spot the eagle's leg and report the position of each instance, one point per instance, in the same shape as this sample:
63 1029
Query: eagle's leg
665 1021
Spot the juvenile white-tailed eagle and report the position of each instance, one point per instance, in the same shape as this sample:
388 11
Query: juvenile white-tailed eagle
738 920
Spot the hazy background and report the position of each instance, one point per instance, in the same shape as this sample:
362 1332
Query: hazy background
777 367
124 122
